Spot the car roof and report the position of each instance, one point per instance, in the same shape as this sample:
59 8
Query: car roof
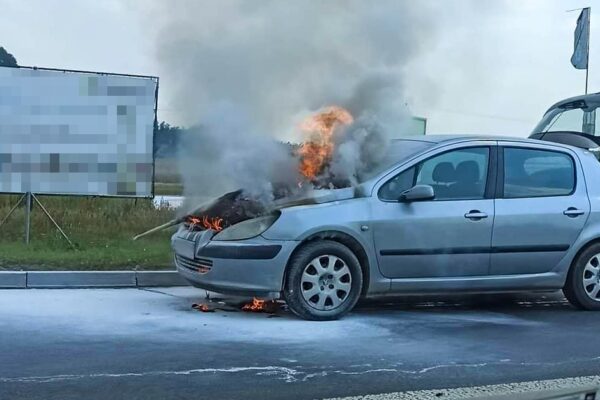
592 99
448 139
461 138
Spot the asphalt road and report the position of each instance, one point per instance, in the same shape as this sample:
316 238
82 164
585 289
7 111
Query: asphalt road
150 344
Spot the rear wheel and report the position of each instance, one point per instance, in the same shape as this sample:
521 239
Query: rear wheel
323 282
582 288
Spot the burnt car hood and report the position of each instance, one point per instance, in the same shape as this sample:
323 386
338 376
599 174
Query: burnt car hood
235 207
317 196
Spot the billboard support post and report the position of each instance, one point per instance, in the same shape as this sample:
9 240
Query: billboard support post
52 220
12 210
29 198
27 216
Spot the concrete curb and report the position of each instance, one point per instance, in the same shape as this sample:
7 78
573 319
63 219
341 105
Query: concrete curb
88 279
67 279
13 279
159 278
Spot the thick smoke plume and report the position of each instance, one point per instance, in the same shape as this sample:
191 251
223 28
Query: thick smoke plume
247 72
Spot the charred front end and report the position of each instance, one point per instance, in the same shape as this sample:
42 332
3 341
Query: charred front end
219 247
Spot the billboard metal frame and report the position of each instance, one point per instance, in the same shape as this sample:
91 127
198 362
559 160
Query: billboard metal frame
29 198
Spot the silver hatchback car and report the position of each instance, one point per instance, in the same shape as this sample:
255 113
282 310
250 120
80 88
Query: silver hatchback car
443 214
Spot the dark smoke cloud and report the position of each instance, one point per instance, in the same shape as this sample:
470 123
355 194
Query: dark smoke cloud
246 72
279 58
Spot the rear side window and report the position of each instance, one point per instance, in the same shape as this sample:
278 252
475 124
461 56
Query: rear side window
537 173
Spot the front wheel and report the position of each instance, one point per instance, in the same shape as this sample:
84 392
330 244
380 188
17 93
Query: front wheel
323 281
582 288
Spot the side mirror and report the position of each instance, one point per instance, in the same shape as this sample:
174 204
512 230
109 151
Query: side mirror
417 193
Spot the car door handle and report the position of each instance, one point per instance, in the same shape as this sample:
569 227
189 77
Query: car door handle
573 212
475 215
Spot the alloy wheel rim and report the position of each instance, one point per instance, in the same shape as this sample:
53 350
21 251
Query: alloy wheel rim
326 282
591 278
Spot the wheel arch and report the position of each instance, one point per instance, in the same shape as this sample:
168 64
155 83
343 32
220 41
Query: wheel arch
345 239
590 242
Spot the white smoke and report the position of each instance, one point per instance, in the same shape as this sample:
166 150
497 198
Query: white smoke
245 72
358 148
225 154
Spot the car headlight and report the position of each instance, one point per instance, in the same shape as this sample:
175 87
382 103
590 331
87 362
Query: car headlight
247 229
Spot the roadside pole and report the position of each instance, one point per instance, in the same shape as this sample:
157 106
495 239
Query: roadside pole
27 216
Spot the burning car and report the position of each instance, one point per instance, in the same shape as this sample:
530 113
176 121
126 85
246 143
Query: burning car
438 213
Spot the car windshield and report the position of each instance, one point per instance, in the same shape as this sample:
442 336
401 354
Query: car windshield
575 118
398 151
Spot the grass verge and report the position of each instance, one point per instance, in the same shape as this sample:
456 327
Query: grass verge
101 228
172 189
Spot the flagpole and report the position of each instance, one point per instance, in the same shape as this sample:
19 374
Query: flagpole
587 67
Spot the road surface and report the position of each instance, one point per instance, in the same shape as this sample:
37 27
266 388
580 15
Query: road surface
150 344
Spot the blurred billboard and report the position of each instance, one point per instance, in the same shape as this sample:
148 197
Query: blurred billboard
76 132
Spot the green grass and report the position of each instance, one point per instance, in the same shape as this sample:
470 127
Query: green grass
101 228
174 189
168 179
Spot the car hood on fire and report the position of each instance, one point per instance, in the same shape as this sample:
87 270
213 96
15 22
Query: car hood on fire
233 207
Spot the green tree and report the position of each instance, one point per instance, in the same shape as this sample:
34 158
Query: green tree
167 139
7 59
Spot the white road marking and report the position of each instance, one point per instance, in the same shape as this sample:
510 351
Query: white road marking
283 373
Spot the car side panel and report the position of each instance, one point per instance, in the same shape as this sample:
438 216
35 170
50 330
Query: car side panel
531 234
591 230
590 178
351 217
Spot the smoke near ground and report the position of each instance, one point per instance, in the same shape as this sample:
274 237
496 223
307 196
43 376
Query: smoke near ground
246 73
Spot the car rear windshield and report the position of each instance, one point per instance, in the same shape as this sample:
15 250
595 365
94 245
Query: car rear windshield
577 118
398 150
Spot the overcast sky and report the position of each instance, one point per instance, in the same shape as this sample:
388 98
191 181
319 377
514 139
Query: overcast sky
493 67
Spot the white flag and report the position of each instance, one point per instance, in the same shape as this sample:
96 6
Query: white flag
579 59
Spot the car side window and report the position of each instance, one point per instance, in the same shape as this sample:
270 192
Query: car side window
454 175
537 173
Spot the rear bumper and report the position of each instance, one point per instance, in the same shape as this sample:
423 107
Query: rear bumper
253 267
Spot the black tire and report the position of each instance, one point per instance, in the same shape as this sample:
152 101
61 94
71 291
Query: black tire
293 286
574 289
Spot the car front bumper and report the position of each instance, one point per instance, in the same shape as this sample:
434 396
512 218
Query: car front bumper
253 267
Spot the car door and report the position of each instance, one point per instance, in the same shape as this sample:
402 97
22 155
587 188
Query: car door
541 208
448 236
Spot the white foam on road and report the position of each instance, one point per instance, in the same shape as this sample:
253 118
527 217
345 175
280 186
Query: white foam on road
300 374
162 314
166 314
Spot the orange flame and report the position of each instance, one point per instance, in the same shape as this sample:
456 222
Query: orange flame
202 307
255 305
316 152
215 223
260 305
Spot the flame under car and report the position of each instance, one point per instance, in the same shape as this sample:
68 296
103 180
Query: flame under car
440 213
